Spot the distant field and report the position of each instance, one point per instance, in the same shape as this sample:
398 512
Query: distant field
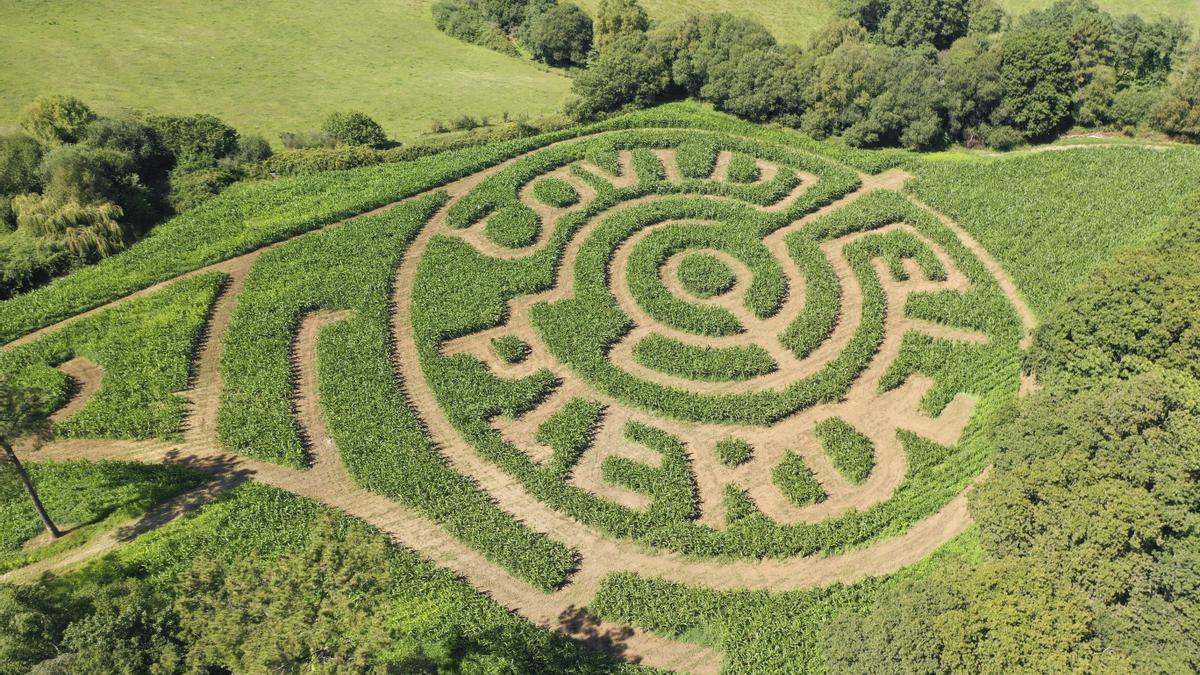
268 66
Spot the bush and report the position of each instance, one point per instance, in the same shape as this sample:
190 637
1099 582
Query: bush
631 70
54 120
196 141
20 156
619 17
253 148
1178 111
353 128
150 157
1036 80
189 190
562 35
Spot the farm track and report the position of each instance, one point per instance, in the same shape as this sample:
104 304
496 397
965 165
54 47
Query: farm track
564 610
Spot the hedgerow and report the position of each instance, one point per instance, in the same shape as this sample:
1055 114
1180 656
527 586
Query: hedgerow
699 362
350 268
852 453
145 347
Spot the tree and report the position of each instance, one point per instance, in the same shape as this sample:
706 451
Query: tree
354 128
912 23
619 17
1036 81
562 35
1178 111
196 141
20 156
632 70
150 157
23 413
971 76
700 42
54 120
760 85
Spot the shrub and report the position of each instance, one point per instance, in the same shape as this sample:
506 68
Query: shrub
353 128
196 141
54 120
562 35
253 148
619 17
20 156
139 141
189 190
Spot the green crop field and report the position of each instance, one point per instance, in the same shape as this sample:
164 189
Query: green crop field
265 67
671 371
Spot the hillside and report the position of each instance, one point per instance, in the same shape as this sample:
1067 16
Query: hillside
266 67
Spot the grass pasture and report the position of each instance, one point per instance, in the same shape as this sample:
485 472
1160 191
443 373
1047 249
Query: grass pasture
264 67
501 358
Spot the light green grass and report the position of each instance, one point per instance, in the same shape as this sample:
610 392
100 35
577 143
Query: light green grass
1149 9
267 66
791 21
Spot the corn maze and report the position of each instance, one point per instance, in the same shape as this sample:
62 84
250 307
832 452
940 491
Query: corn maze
642 355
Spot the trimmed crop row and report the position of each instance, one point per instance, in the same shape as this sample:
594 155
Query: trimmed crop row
381 441
145 347
698 362
852 453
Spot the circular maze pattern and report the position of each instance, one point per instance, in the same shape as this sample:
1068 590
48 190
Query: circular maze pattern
679 356
839 335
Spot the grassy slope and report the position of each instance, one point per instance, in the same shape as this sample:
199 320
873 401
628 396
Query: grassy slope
267 66
1051 216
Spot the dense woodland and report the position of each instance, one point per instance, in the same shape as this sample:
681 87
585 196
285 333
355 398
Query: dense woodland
921 74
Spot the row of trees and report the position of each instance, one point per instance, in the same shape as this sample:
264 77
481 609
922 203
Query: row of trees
916 73
1090 519
554 33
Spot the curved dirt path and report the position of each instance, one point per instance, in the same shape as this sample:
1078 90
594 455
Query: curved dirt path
327 481
85 378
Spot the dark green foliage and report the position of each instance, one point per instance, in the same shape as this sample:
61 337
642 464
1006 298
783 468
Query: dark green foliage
1036 81
510 348
618 17
54 120
630 70
190 189
795 480
140 142
463 20
353 128
554 192
196 141
253 148
561 35
1140 312
760 85
705 276
852 453
700 42
20 156
733 451
1178 111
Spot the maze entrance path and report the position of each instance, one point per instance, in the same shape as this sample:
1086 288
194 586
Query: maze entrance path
876 412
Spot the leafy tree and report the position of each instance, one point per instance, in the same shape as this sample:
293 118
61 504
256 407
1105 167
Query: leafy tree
253 148
139 141
20 156
23 413
354 128
196 141
1178 111
701 42
507 14
1146 52
760 85
86 231
29 627
912 23
1036 81
631 70
1094 103
562 35
971 79
833 35
123 626
54 120
618 17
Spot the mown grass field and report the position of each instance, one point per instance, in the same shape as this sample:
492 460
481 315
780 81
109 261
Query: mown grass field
265 67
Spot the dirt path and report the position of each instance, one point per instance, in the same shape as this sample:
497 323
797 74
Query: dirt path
85 378
563 610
